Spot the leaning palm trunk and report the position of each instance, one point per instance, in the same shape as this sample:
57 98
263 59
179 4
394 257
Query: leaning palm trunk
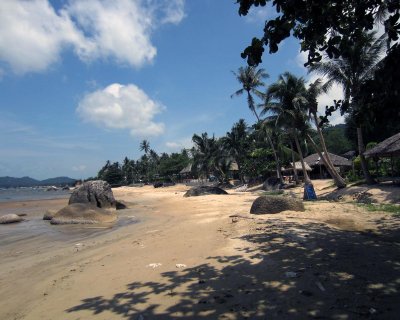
337 178
364 164
339 181
277 162
250 101
296 177
307 180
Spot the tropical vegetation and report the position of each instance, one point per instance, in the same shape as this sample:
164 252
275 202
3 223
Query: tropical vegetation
287 124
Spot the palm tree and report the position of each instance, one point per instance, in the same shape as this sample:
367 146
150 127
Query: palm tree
209 156
355 66
144 146
236 144
314 90
251 79
286 99
264 131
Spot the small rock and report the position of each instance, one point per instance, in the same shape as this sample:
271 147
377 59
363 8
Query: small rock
204 190
10 218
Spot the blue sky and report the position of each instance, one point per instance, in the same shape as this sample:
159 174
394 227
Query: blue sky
82 82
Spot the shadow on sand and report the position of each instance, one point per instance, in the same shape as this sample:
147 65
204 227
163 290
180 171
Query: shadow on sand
292 271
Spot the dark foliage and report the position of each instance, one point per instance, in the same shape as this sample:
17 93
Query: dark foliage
321 26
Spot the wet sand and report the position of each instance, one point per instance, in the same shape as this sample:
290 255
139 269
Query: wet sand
187 258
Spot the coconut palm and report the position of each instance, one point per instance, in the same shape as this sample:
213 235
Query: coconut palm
286 99
251 79
264 131
355 66
236 144
144 146
209 156
313 91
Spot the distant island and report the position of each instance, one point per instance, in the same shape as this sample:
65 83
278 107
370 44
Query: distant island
11 182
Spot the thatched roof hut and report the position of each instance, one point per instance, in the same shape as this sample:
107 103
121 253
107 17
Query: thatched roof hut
350 154
298 167
186 170
338 161
387 148
341 165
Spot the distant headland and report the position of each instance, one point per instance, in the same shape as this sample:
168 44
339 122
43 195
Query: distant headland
11 182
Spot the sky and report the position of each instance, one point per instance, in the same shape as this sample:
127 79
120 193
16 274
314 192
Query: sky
85 81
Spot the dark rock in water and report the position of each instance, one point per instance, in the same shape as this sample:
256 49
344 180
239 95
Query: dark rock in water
97 193
81 213
275 204
66 188
203 190
10 218
272 183
49 214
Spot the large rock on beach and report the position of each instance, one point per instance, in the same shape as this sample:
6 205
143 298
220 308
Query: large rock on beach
83 213
49 214
97 193
10 218
204 190
272 183
275 204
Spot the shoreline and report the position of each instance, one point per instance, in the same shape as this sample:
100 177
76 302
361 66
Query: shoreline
188 259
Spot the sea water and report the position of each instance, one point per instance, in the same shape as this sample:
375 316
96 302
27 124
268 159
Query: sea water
22 194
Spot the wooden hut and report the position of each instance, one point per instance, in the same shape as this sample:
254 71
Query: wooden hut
288 172
319 170
389 148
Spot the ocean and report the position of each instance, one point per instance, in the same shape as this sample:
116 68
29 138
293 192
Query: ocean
35 193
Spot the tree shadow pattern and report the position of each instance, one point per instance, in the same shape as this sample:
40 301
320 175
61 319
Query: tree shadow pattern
292 271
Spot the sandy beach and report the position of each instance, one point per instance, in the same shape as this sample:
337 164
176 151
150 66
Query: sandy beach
206 257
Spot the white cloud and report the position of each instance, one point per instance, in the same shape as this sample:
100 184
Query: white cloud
122 107
301 58
260 14
326 99
33 34
184 143
170 11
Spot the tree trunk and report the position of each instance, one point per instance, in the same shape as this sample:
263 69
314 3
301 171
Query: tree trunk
241 176
250 101
338 179
277 162
296 177
364 164
307 180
